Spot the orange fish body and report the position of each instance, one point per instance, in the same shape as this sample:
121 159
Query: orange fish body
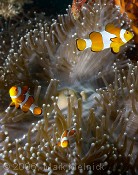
64 140
112 37
21 99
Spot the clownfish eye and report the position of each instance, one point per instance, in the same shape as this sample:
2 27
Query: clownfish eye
127 32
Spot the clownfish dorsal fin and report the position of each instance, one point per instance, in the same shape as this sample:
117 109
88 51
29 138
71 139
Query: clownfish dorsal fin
64 133
25 89
109 28
71 132
116 40
112 29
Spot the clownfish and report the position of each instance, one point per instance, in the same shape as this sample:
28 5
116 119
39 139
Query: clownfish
112 37
64 140
21 99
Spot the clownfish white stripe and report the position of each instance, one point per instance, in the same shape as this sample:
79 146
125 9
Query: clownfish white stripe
25 100
122 32
64 139
27 91
106 39
88 43
32 107
18 94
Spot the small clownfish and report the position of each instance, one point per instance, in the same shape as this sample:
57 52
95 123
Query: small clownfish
112 37
21 99
64 140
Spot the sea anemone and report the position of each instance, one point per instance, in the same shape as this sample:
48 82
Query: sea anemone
104 142
11 8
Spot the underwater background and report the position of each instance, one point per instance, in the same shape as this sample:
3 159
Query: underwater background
62 110
51 8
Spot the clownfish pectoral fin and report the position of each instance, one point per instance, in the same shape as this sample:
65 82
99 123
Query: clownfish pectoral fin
81 44
116 40
109 27
58 143
12 104
17 105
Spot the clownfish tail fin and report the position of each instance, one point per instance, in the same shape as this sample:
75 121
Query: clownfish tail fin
81 44
37 111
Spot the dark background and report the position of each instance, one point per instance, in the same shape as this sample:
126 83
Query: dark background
50 7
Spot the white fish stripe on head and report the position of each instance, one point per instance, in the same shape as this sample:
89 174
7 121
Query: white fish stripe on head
88 43
64 139
32 107
25 100
122 32
18 94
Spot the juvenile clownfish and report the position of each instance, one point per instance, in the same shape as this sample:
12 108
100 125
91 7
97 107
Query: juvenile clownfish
21 99
112 37
64 140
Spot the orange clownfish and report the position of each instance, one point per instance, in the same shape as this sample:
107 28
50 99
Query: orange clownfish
112 37
64 140
21 99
